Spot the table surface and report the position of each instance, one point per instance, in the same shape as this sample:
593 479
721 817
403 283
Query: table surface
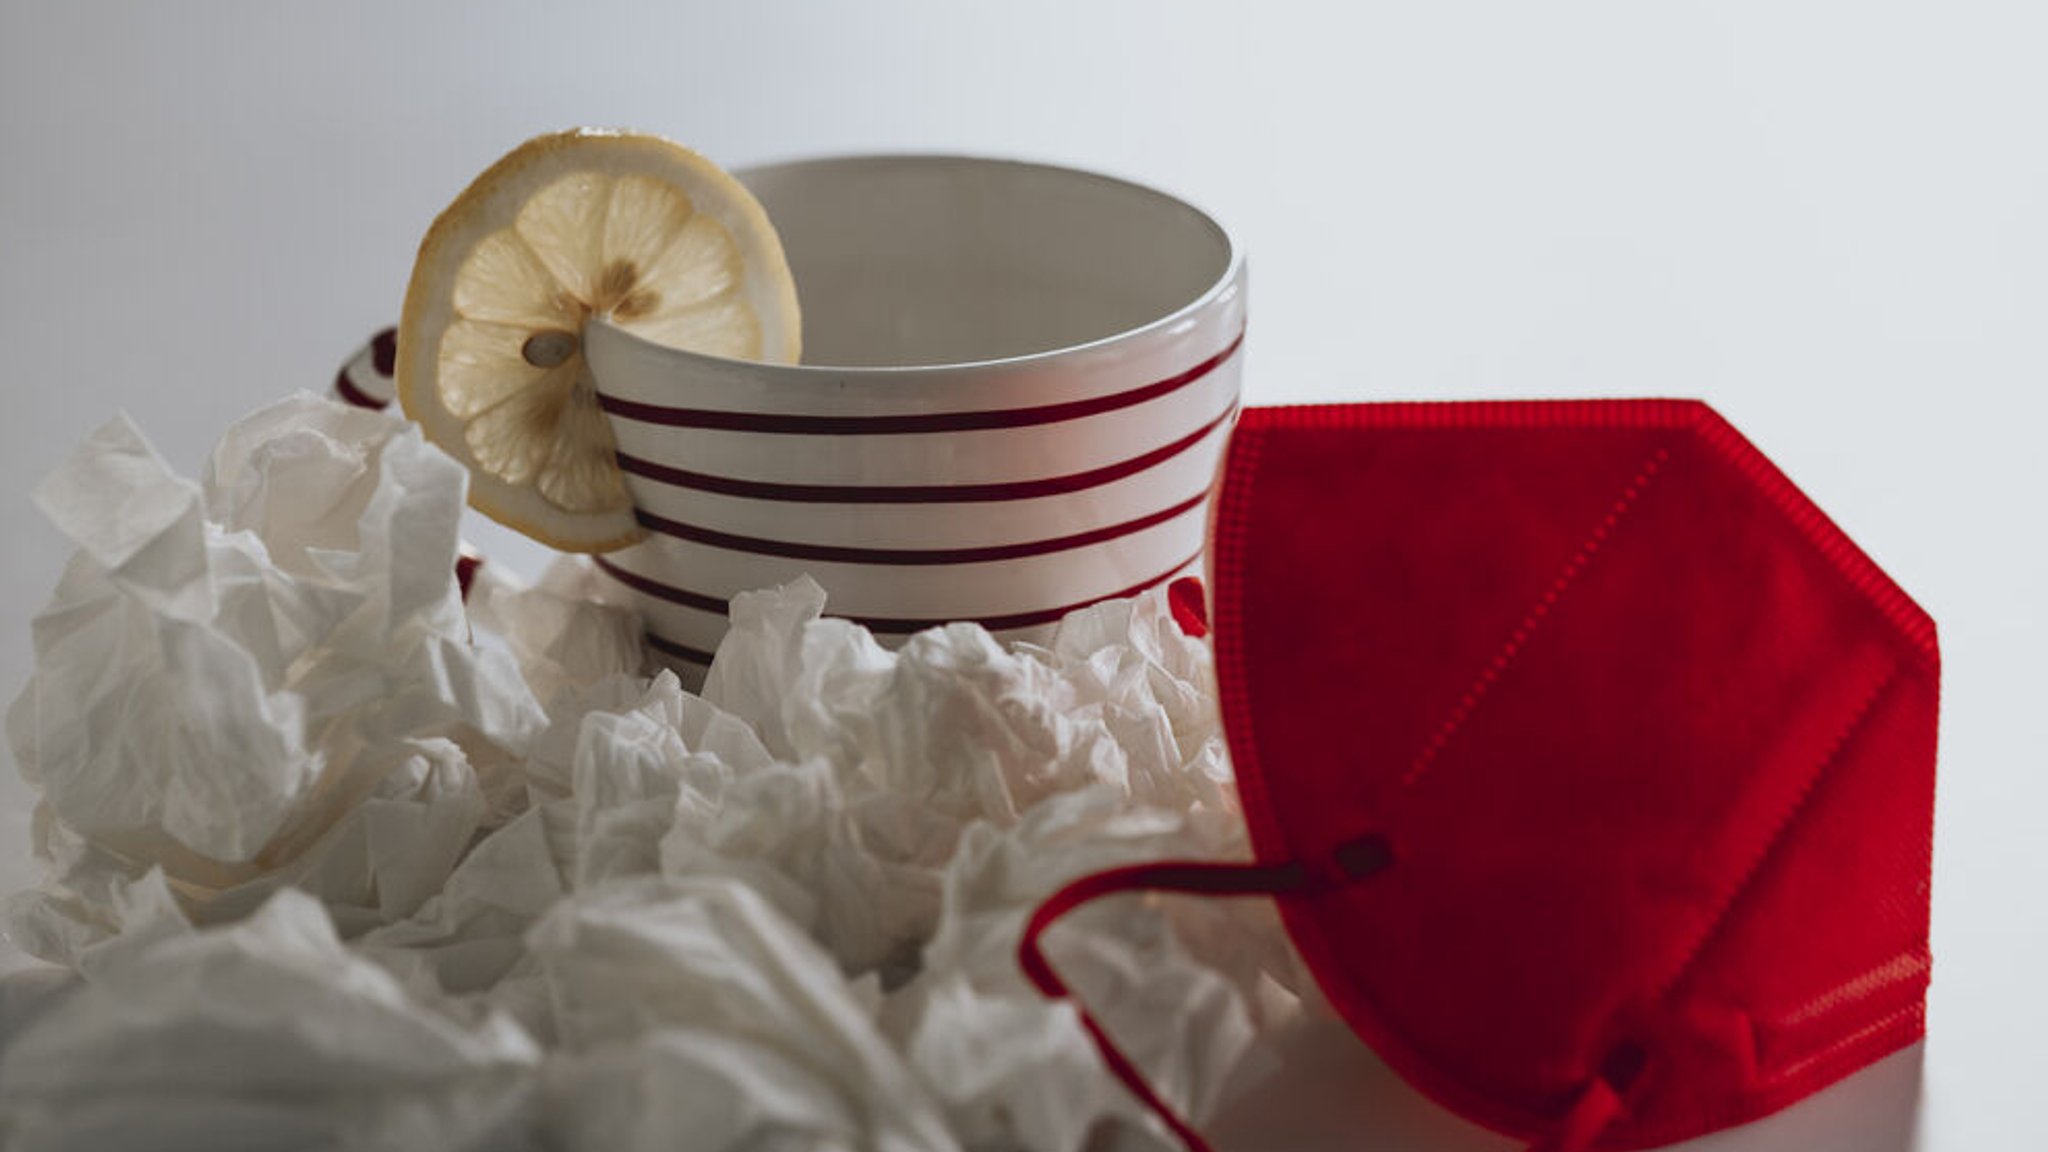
1826 219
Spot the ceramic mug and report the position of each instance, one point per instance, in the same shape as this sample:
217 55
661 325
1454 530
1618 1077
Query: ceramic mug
1017 382
1017 379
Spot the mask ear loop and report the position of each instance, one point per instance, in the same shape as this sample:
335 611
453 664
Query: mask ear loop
1353 861
1596 1108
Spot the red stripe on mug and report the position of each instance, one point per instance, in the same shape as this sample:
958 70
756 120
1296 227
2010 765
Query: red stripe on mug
347 390
917 493
845 554
647 585
678 650
892 625
909 422
384 352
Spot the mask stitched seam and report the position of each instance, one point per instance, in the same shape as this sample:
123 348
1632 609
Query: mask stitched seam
1796 811
1854 565
1880 1038
1905 968
1780 1056
1800 805
1566 577
1885 1023
1229 547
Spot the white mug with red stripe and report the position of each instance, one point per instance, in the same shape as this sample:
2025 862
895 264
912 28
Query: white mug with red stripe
1017 382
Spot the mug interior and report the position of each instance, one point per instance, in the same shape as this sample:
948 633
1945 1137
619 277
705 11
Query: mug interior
925 260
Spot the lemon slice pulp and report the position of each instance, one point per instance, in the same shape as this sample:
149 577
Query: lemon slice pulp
582 224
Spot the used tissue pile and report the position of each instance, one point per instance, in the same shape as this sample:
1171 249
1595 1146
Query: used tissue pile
344 862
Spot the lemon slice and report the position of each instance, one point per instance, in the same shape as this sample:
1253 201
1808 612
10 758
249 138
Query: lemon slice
640 231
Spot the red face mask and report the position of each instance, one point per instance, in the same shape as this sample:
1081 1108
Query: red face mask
1591 765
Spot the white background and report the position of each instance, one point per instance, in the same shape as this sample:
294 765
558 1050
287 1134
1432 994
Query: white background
1830 220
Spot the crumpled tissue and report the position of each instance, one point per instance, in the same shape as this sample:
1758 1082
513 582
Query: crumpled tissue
265 678
423 873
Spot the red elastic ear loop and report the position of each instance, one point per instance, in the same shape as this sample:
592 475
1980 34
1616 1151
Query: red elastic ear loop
1591 1113
1193 878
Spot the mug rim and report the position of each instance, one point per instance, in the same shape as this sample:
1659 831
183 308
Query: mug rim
1226 284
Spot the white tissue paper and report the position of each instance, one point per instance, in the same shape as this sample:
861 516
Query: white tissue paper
412 873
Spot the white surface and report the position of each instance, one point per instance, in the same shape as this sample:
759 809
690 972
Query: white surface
1830 220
